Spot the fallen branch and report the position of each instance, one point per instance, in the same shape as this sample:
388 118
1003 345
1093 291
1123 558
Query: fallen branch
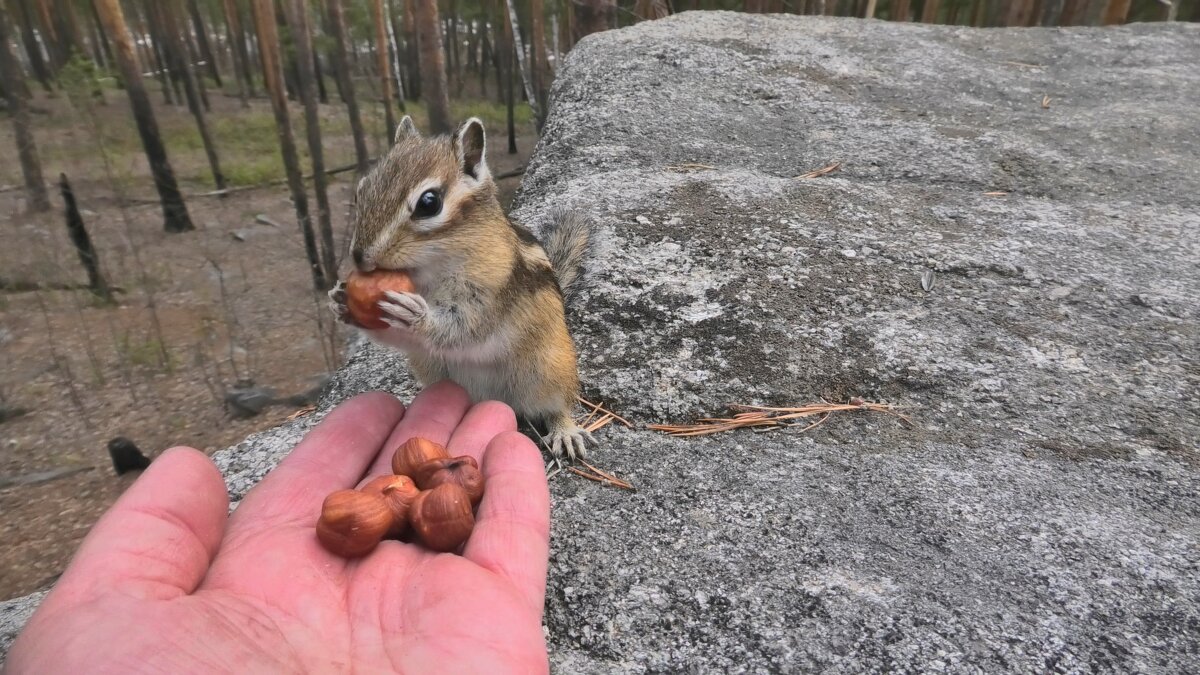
767 418
817 173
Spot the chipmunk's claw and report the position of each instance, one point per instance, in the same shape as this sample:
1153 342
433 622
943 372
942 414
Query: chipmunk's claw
337 303
572 439
403 310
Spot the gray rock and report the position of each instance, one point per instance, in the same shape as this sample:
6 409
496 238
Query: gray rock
1043 514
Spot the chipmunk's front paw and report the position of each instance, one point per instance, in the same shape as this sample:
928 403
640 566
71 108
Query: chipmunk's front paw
568 436
403 310
337 303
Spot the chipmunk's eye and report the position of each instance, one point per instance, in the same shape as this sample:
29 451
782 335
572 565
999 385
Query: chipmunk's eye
429 204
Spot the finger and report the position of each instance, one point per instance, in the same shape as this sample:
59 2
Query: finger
158 540
483 422
433 415
333 456
512 530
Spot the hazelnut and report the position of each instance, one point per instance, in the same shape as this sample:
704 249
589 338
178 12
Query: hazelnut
399 493
462 471
415 452
364 291
442 517
352 523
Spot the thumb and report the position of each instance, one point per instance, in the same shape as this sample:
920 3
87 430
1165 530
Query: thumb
158 540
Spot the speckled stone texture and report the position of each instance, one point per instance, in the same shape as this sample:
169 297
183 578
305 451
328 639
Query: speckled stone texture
1043 514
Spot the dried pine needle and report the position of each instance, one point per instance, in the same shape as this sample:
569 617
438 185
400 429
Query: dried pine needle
816 173
995 193
601 409
303 412
763 418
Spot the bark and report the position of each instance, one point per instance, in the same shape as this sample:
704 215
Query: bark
102 48
485 53
1116 12
67 27
160 42
82 242
297 18
978 12
453 56
268 50
593 16
433 69
381 63
394 34
526 78
202 42
11 76
341 67
869 13
175 213
54 46
187 74
900 10
648 10
929 13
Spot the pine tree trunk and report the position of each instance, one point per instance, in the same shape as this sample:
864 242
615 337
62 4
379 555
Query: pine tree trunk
67 28
433 68
237 50
54 46
394 34
381 63
526 77
485 51
297 18
12 78
241 55
1115 13
1020 12
929 12
268 51
175 213
82 242
32 49
103 49
869 13
537 52
203 43
175 29
593 16
159 40
413 51
337 25
899 11
510 96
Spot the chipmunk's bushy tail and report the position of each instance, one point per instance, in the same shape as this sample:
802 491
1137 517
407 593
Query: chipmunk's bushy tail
568 240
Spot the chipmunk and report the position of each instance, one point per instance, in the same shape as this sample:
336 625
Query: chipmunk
489 308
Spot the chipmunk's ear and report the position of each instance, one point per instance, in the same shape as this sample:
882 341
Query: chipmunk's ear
471 146
405 128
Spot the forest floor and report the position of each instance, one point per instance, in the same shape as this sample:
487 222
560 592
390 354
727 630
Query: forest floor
197 311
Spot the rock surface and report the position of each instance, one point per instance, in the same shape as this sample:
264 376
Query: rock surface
1044 511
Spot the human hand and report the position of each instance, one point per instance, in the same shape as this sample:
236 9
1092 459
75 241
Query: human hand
165 582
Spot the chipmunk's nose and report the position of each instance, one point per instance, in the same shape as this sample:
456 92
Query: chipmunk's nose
360 260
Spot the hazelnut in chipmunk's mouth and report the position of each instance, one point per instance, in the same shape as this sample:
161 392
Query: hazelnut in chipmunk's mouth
364 291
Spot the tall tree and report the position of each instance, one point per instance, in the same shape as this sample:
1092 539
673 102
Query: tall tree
593 16
202 41
869 12
433 68
1115 12
12 79
526 77
268 49
899 10
506 57
82 242
237 35
341 67
541 64
32 49
297 18
381 63
175 213
1020 13
187 74
929 13
412 51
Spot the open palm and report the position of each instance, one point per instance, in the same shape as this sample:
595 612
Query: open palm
166 582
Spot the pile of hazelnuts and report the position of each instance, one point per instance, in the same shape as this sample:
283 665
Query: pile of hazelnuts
430 499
